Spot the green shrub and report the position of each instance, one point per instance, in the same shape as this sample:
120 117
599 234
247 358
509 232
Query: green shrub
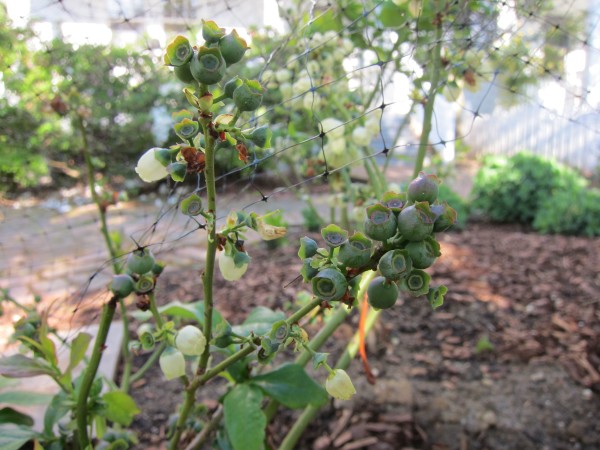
575 211
513 189
461 206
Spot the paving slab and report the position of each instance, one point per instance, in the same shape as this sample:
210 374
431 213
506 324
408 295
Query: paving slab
47 388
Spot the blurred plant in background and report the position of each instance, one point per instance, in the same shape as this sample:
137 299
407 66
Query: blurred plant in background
119 86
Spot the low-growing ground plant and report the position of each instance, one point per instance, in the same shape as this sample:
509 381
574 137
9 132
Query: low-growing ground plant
193 343
513 189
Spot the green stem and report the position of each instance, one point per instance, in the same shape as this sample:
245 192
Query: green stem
374 177
200 439
92 184
334 321
81 412
207 281
148 364
430 100
399 131
127 356
310 412
154 310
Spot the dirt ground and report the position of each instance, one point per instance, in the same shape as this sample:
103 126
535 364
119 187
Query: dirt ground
511 361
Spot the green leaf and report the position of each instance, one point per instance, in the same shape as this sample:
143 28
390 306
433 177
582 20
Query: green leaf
78 348
24 398
291 386
327 21
260 321
19 366
174 309
244 420
9 415
13 437
185 311
391 15
55 411
120 407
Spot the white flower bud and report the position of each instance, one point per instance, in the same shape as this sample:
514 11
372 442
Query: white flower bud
330 35
347 45
335 146
309 103
361 136
301 85
286 91
333 127
267 75
283 75
172 363
190 341
314 68
339 385
228 269
149 168
372 124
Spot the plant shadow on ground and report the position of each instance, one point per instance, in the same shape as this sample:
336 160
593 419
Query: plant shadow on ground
510 361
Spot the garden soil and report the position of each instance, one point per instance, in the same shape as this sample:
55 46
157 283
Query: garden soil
511 361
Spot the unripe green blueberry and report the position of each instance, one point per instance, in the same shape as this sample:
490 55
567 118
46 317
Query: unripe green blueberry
207 65
417 282
415 222
261 136
424 188
435 296
140 261
179 51
231 86
334 236
187 129
395 264
192 205
184 73
356 252
382 293
211 32
308 248
308 272
446 217
423 253
122 285
232 47
394 200
248 96
144 284
380 223
329 284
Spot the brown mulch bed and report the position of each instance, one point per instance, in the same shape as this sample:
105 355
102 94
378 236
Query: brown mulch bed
535 385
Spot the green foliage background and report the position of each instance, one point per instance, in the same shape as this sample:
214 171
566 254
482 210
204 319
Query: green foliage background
34 138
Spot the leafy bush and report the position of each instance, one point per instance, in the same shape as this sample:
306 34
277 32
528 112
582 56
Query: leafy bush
117 86
513 189
575 212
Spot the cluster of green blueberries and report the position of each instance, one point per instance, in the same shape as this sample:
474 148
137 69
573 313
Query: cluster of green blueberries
398 241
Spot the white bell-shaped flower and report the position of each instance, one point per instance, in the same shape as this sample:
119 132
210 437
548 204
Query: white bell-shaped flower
333 128
149 168
229 270
190 341
339 385
361 136
172 363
